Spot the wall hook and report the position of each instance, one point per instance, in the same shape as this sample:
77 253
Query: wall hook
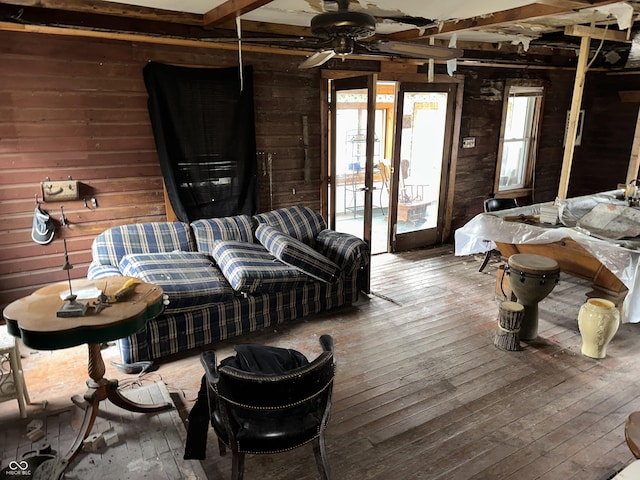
63 219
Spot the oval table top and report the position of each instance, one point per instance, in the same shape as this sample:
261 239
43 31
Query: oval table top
34 317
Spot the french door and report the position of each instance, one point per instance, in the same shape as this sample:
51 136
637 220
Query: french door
390 147
352 149
422 149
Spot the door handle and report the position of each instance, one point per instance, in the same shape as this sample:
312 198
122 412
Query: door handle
367 189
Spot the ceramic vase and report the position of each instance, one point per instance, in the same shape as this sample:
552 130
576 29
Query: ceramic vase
598 321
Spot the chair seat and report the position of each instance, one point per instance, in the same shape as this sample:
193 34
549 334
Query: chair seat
270 435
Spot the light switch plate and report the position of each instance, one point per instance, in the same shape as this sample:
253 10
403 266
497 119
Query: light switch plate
60 190
468 142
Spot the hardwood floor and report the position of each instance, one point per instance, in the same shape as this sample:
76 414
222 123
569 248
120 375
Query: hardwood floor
421 392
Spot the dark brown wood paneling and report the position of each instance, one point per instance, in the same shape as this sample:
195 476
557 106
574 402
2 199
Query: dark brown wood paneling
601 161
77 107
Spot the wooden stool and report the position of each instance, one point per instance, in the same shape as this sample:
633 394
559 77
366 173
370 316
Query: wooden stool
632 433
11 376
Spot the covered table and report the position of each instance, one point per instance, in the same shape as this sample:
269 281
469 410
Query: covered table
611 264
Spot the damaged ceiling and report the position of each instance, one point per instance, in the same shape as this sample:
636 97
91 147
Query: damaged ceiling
524 32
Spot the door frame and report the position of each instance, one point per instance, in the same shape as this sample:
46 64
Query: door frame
325 177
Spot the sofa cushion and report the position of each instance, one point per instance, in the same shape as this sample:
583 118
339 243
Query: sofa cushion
189 279
250 268
113 244
296 254
302 223
210 230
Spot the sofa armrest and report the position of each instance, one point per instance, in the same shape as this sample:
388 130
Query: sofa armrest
99 271
347 251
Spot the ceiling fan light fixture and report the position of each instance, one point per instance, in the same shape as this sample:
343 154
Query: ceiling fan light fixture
356 25
342 45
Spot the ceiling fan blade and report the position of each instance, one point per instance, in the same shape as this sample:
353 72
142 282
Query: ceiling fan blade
415 50
317 59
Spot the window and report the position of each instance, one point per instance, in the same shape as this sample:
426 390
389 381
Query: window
518 140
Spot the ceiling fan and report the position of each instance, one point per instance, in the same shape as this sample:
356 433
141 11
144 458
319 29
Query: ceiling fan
343 30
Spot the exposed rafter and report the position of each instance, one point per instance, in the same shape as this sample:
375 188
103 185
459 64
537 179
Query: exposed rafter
113 9
504 17
596 33
230 10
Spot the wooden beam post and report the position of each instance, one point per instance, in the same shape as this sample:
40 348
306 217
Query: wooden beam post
574 114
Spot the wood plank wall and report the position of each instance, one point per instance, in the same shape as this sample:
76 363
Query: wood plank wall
607 138
77 107
481 117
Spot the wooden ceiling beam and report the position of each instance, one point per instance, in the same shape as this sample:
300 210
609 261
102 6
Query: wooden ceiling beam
231 9
596 33
504 17
113 9
266 29
147 38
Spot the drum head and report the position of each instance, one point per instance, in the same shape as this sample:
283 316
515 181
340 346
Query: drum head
511 306
534 264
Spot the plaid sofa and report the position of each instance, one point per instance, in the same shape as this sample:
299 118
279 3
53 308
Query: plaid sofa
227 276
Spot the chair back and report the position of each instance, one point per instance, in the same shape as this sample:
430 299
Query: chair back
496 204
253 391
385 171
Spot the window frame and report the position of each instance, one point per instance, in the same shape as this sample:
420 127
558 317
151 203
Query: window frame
532 153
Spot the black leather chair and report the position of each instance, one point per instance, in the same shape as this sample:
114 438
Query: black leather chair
494 205
270 413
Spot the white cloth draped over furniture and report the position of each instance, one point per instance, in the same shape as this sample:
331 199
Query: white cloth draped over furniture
621 257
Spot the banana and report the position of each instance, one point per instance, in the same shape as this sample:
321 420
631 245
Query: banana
123 291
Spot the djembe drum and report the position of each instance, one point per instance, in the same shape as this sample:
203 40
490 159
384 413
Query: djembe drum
509 320
531 277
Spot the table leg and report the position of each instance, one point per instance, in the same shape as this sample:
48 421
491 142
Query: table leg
100 388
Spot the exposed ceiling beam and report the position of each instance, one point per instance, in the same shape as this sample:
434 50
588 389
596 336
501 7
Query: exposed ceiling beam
265 28
146 38
230 10
112 8
504 17
596 33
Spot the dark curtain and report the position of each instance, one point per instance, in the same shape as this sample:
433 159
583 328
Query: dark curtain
204 131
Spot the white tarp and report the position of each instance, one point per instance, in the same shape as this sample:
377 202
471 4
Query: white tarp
622 257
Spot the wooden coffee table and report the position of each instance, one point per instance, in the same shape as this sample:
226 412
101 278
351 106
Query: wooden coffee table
33 318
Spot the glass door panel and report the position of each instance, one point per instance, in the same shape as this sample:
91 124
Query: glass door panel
423 146
353 148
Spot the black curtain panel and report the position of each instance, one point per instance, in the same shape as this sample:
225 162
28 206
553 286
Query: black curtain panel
203 124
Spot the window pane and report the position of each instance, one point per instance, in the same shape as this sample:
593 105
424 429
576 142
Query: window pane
518 114
521 106
513 165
